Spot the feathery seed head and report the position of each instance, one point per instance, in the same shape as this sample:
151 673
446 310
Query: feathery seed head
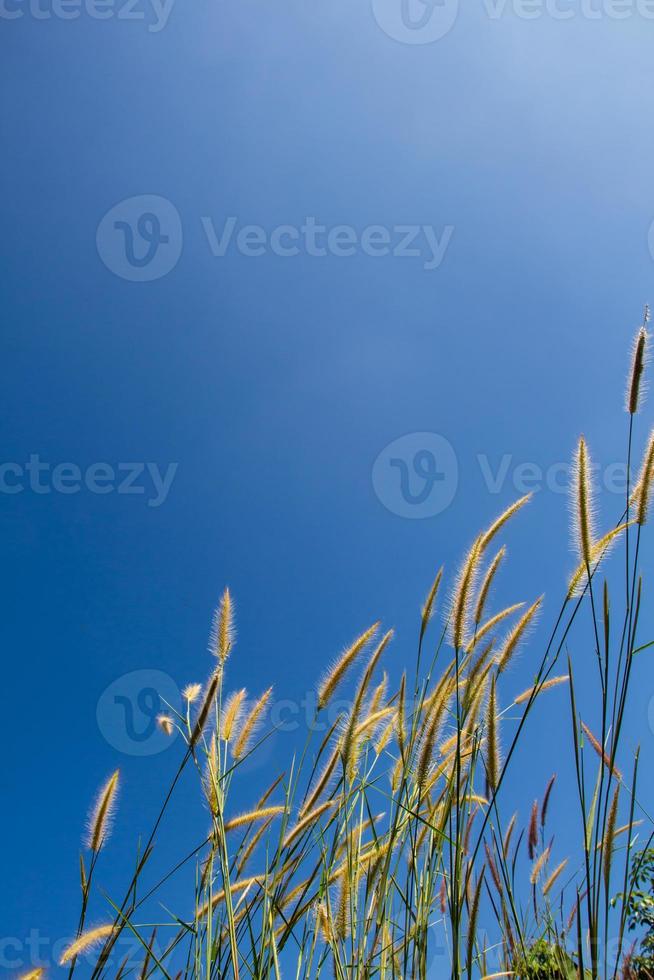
231 714
85 942
546 799
644 486
492 739
512 641
428 608
338 670
192 692
222 629
166 724
207 703
549 884
491 623
102 814
638 360
459 612
601 550
532 836
544 686
600 751
253 816
503 519
607 858
583 508
486 585
538 867
249 725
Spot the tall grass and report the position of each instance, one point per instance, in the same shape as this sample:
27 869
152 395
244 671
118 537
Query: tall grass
387 832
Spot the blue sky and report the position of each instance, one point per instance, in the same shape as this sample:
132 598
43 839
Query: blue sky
271 383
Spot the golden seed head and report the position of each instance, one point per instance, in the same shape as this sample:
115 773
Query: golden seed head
644 485
486 585
459 613
250 724
222 630
85 942
638 360
192 692
338 670
549 884
102 814
583 510
166 724
492 739
231 714
253 816
518 632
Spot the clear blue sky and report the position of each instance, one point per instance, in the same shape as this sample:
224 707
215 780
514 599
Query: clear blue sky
274 382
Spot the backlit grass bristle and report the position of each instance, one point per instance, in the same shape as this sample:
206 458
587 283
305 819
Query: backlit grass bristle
460 608
551 881
492 739
33 974
340 667
250 724
512 641
231 714
484 590
85 942
101 816
644 485
638 359
222 629
166 724
583 507
253 816
544 686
